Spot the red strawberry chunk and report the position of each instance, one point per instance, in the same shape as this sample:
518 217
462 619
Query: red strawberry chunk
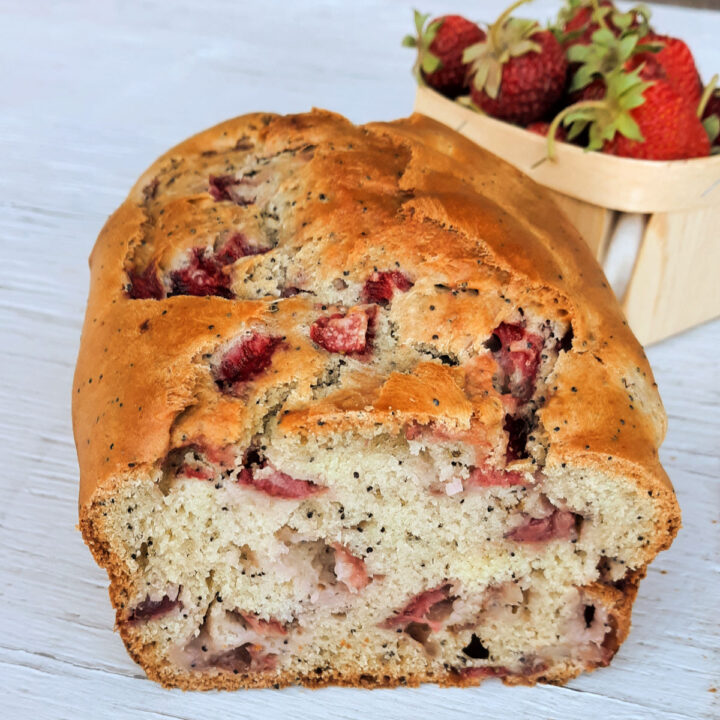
413 431
228 187
380 286
145 285
149 609
262 662
246 658
560 525
267 628
201 472
203 273
345 334
224 456
245 360
430 607
436 432
277 484
519 358
201 276
350 569
235 247
487 476
206 460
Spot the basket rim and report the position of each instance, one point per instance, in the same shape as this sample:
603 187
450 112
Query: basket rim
644 186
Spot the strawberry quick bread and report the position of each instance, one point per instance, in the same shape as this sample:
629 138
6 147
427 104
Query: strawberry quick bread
355 405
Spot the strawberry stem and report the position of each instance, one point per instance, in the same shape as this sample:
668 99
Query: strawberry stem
425 60
599 16
559 118
497 25
707 93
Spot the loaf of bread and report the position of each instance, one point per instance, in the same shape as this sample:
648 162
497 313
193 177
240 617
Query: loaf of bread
355 405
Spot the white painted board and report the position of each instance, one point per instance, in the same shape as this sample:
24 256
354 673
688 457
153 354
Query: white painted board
91 91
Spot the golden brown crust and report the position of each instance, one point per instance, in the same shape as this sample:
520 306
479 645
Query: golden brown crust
411 189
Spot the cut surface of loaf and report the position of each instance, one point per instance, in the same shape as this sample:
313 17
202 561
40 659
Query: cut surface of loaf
355 405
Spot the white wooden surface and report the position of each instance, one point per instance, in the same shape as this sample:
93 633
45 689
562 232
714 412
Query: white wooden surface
91 91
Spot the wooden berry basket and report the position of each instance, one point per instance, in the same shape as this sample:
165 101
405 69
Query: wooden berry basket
672 280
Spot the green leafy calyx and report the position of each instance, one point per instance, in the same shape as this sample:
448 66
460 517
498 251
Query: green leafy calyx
426 62
634 21
606 54
507 38
602 119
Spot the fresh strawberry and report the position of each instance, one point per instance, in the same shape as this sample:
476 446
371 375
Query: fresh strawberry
709 112
577 27
637 119
579 19
711 120
594 91
670 128
713 105
440 47
626 94
519 72
678 63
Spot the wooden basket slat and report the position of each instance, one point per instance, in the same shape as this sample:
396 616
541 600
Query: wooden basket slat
675 283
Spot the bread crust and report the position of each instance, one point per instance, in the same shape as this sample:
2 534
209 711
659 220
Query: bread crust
453 212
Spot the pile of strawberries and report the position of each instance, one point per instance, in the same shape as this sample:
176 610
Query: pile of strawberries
597 77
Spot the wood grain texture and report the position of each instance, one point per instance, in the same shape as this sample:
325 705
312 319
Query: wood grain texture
92 93
674 282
